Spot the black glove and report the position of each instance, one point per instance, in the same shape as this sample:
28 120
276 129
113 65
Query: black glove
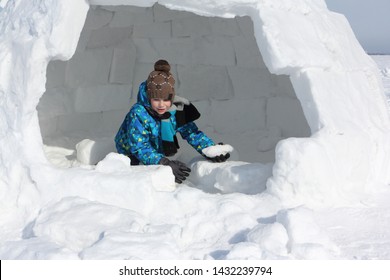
220 158
180 170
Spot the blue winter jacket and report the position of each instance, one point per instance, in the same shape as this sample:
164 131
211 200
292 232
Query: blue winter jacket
139 134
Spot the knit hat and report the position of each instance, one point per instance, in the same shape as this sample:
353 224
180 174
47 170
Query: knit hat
160 82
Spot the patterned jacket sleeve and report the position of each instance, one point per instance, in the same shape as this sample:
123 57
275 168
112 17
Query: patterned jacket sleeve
196 138
135 139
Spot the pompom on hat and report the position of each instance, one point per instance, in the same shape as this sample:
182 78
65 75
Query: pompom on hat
160 82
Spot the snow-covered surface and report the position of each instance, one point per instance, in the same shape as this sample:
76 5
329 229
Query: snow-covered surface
325 197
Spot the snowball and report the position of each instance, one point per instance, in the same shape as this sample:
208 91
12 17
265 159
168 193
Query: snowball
217 150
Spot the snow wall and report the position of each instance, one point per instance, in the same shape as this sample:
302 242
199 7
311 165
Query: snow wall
337 84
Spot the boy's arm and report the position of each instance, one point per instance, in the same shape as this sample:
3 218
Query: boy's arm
196 138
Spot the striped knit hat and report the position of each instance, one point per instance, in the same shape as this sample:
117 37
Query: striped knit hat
160 82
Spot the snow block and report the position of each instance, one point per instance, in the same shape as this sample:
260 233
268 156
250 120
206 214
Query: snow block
55 102
97 18
247 52
131 187
83 40
231 176
224 27
340 41
238 116
283 86
204 107
287 51
161 13
102 98
200 82
111 161
270 139
245 25
78 122
91 67
90 152
308 163
153 30
120 6
251 83
190 26
357 109
108 36
330 33
55 74
128 16
287 114
146 51
161 177
48 126
111 120
123 62
210 50
175 50
143 70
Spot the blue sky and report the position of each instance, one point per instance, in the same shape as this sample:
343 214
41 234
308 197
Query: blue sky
370 21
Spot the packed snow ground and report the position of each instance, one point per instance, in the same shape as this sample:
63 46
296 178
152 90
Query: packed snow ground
222 212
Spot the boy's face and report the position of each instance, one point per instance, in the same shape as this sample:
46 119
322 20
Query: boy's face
160 105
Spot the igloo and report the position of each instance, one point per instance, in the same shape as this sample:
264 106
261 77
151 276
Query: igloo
217 65
306 58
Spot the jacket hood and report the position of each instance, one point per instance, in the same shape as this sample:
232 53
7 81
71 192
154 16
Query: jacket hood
142 97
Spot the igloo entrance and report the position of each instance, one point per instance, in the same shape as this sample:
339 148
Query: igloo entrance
216 63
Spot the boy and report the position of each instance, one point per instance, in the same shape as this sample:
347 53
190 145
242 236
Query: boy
148 133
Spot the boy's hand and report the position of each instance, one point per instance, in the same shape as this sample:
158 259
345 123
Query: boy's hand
179 169
217 153
220 158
